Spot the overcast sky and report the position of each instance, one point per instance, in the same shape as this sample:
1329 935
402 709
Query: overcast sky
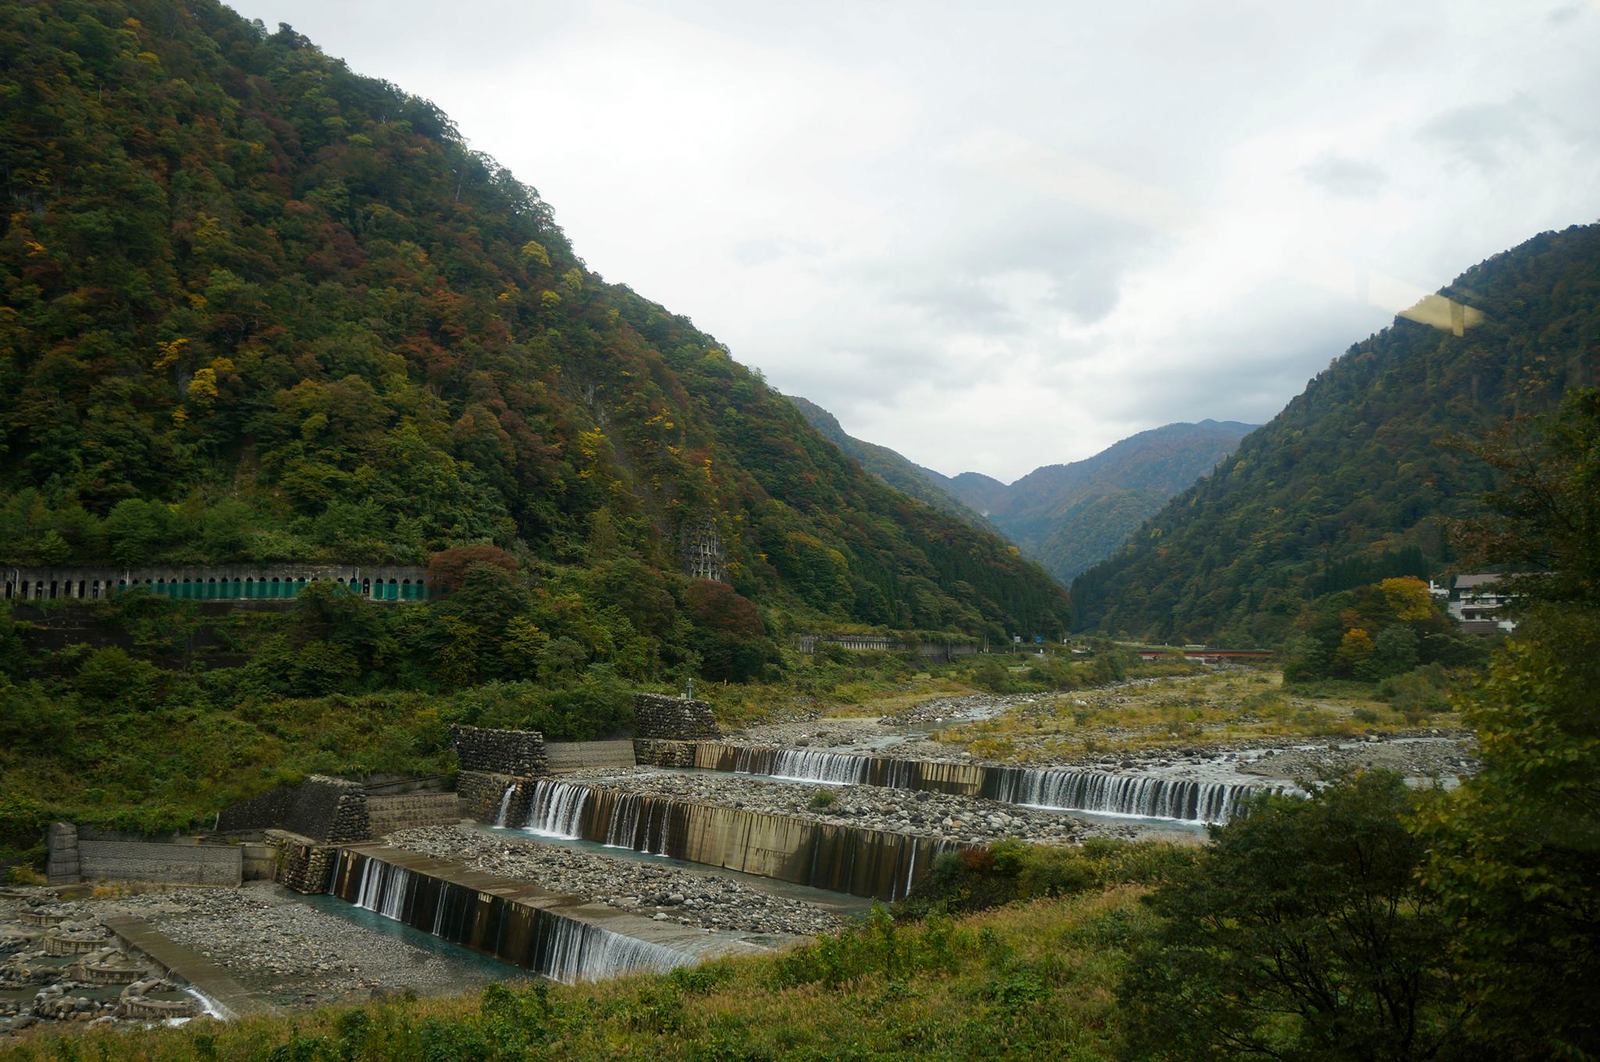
999 235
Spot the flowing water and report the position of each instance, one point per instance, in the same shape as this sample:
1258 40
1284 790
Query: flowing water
1140 795
556 810
551 944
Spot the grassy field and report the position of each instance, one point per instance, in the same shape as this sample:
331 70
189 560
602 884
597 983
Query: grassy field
1183 712
1031 980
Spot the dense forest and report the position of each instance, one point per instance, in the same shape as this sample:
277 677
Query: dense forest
1360 477
260 308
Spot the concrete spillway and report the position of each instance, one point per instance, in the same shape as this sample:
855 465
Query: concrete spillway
863 862
561 937
1060 789
841 768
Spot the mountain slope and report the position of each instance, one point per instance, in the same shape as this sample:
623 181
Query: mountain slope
259 308
897 471
1351 481
1070 516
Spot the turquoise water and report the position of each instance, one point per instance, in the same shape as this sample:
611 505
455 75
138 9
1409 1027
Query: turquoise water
474 968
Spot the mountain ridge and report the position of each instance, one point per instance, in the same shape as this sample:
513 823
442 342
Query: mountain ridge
1066 515
1356 479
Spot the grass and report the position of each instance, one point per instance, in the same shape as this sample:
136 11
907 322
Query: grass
1181 712
1029 980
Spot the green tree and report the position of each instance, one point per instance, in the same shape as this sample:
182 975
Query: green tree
1301 933
1517 851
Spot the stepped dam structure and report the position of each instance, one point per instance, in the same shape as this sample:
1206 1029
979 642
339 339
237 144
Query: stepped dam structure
863 862
560 937
1055 788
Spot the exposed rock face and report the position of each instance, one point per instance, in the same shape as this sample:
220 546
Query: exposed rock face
680 718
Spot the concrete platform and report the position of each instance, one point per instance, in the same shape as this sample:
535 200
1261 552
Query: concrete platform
212 981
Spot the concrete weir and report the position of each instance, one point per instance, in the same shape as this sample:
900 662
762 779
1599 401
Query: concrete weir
1055 788
561 937
853 859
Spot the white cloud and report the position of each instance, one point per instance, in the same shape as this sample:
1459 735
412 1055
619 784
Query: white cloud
999 236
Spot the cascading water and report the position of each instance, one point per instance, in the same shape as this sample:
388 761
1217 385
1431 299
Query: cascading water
383 889
558 946
639 823
1116 794
572 951
505 803
556 809
813 765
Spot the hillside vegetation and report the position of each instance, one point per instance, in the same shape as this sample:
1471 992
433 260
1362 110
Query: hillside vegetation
1067 517
898 471
259 308
1360 476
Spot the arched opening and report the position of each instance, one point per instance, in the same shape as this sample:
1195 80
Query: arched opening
273 588
366 588
391 592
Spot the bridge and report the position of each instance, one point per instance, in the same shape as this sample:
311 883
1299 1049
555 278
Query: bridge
261 582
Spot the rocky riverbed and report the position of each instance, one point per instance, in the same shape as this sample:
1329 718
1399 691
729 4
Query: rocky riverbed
665 893
1419 757
919 812
280 947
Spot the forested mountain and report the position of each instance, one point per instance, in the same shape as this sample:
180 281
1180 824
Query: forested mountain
1358 477
901 473
1069 516
257 307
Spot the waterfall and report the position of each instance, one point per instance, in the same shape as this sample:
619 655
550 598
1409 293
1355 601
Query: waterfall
572 951
811 765
556 809
383 889
639 822
505 803
1119 794
506 798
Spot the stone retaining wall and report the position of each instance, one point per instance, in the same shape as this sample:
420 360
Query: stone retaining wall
188 864
479 793
301 863
662 752
322 808
386 814
63 865
514 752
677 718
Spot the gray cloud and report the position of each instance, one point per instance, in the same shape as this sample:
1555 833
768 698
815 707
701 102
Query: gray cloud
1346 176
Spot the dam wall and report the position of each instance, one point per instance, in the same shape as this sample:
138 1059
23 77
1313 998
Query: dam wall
1055 788
863 862
561 937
